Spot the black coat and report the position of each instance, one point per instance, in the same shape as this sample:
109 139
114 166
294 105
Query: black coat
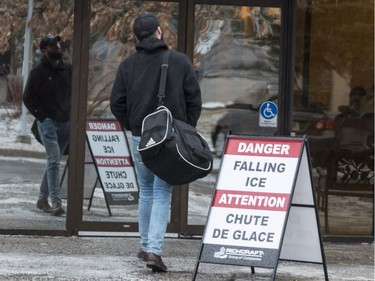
134 93
48 91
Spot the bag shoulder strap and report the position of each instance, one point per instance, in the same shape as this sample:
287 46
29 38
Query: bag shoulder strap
163 78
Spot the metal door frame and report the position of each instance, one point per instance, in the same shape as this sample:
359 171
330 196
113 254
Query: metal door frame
179 207
81 44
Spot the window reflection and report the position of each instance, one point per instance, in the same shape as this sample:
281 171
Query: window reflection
22 158
334 79
112 39
236 54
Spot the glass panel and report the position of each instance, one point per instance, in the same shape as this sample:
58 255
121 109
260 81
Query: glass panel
112 40
236 54
334 106
22 158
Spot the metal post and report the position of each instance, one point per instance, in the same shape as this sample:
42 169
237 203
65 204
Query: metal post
24 137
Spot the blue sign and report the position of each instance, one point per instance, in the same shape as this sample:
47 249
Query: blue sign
268 114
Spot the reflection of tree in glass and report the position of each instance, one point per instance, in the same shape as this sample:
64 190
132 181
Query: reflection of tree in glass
111 33
209 37
240 25
113 39
48 17
263 18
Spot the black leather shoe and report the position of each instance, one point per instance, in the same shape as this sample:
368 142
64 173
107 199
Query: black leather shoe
43 205
155 263
142 255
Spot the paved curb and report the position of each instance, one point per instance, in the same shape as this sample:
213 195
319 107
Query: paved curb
22 153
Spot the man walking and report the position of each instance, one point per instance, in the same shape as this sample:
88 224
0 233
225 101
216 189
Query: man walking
134 95
47 97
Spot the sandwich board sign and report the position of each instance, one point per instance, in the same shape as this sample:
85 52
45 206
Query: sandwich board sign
263 208
110 151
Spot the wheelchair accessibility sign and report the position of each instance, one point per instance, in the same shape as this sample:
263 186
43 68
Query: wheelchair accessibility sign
268 114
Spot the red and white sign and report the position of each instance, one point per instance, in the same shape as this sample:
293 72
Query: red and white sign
113 160
263 208
251 200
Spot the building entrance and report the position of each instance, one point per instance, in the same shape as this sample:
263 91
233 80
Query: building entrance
237 52
265 68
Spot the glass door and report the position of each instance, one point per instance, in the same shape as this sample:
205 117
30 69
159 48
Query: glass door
236 51
108 40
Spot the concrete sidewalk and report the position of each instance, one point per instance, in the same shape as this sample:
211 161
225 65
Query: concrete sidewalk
114 258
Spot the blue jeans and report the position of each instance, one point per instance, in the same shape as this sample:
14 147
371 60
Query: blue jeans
154 202
55 138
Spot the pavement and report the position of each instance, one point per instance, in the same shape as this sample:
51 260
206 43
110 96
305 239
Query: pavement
114 258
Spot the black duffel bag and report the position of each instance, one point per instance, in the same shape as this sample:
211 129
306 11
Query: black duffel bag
34 130
173 150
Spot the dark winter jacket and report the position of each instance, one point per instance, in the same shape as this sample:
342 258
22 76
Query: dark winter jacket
48 91
135 90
